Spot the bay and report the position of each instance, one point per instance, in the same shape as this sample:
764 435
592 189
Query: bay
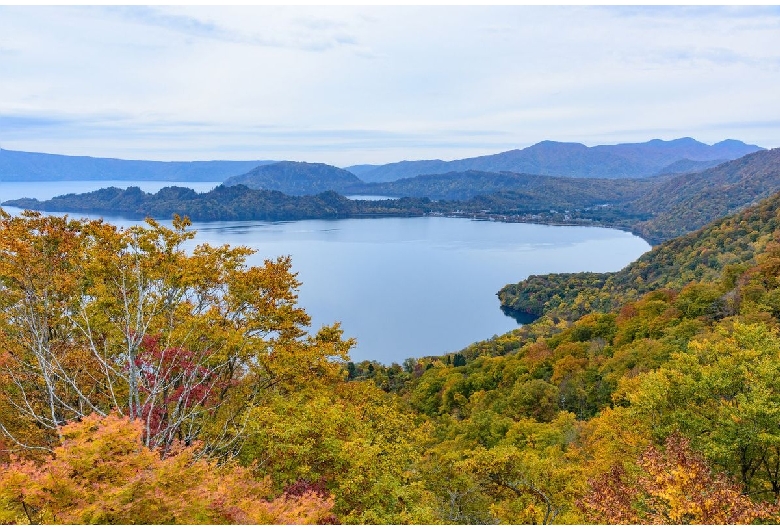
403 287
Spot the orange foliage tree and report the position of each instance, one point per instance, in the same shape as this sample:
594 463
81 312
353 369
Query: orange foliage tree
674 486
104 474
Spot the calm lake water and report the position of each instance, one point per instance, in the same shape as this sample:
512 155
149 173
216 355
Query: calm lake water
402 287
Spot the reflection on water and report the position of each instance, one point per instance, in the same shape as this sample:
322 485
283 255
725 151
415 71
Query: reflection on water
519 316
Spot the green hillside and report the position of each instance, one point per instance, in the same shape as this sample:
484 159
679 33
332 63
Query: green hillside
598 416
730 245
296 178
650 395
684 203
545 191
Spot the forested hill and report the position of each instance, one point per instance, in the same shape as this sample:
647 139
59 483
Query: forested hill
28 167
559 202
296 178
686 202
689 166
571 160
224 203
662 407
628 414
657 208
717 252
468 184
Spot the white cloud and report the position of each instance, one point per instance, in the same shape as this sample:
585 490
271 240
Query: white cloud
367 84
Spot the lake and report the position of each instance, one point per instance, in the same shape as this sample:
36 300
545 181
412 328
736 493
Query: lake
403 287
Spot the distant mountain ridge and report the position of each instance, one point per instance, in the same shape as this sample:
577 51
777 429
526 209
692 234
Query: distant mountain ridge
544 158
296 178
564 159
687 165
683 203
657 208
21 166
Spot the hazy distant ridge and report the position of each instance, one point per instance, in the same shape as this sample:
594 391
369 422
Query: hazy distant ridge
22 166
545 158
571 160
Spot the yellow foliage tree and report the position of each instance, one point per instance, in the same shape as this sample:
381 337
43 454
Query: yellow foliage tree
103 474
97 318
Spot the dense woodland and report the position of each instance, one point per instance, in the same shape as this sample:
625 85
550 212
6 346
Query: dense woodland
140 383
144 384
568 192
224 203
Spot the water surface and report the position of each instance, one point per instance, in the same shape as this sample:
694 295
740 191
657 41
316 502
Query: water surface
404 287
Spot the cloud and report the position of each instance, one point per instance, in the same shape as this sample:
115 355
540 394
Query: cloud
10 123
320 23
368 84
705 56
313 34
155 17
676 13
171 139
753 124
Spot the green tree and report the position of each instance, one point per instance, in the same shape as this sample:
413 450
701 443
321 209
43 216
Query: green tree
723 393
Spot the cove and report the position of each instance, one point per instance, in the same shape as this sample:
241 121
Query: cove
407 287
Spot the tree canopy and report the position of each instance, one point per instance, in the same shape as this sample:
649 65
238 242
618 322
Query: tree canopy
137 368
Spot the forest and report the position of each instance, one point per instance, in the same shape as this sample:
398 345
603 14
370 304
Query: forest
656 208
144 384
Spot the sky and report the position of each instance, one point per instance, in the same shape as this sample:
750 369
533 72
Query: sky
364 84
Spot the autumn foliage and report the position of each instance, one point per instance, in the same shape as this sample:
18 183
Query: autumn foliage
144 379
103 474
674 486
98 318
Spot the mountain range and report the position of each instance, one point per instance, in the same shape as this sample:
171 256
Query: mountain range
561 159
21 166
549 158
657 208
